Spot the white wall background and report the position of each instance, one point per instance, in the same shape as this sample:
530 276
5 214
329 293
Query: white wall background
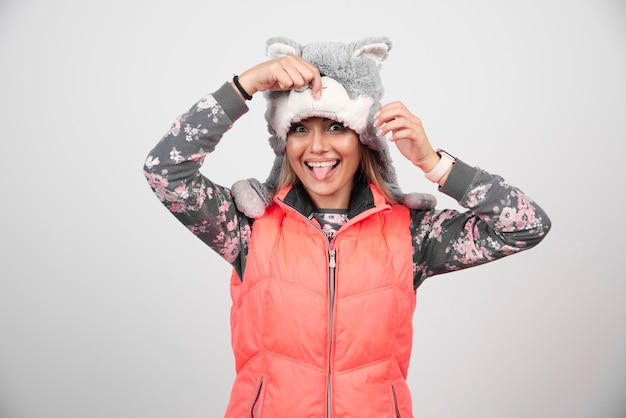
109 308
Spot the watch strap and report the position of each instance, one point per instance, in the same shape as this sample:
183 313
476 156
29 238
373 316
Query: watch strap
442 166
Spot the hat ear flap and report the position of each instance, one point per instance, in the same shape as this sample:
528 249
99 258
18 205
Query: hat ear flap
421 201
252 197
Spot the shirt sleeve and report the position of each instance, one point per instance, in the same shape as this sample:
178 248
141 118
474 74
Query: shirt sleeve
500 220
172 170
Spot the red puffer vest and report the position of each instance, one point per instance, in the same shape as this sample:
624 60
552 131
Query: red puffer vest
324 329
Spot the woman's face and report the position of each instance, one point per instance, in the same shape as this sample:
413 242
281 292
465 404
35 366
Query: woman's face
324 154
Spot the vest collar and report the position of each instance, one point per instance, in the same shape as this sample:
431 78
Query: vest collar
364 196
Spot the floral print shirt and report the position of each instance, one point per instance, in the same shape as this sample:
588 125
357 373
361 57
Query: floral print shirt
499 219
330 220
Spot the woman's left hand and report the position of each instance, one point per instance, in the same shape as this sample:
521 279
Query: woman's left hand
407 133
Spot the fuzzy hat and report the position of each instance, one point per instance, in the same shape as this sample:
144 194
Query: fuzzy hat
352 90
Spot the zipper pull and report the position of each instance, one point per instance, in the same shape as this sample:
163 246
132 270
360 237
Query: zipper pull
331 254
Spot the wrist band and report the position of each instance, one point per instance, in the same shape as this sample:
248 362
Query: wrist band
243 92
442 166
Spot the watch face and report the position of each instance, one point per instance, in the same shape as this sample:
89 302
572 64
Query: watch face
442 153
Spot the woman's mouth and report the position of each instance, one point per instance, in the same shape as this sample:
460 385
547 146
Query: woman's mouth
321 170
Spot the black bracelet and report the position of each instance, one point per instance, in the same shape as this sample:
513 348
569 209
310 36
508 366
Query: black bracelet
243 92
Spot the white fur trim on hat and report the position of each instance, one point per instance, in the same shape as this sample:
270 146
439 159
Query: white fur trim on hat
334 103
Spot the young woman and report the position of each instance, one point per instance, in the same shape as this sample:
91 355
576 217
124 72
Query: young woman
327 254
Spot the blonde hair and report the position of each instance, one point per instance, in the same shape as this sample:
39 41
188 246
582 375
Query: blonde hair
369 168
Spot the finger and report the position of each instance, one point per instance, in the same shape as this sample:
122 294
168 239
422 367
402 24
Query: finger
392 107
394 124
287 79
295 73
308 75
399 134
316 84
387 113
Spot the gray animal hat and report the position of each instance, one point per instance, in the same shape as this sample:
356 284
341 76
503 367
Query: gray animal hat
352 90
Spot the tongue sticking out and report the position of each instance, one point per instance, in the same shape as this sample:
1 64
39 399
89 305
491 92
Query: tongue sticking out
321 173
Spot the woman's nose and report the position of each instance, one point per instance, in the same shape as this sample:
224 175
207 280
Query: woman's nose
318 141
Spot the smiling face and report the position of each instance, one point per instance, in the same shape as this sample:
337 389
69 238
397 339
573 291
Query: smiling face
325 155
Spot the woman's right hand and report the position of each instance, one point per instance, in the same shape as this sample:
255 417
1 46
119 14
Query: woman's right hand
284 73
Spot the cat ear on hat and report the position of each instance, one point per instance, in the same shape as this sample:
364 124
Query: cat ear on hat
375 49
278 46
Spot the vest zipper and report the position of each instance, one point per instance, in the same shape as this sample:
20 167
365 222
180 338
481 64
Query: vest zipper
332 262
331 293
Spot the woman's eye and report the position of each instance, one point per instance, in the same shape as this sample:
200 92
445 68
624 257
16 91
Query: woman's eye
297 128
336 127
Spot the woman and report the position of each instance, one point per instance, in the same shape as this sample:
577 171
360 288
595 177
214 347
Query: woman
327 254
